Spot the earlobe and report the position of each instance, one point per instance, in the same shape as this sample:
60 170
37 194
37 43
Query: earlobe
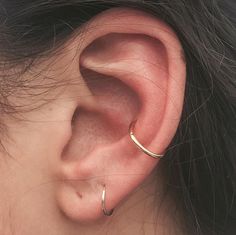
137 61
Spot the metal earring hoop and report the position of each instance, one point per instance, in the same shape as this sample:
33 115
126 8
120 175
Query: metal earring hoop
139 145
105 211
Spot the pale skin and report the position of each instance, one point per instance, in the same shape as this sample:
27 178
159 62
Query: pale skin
53 184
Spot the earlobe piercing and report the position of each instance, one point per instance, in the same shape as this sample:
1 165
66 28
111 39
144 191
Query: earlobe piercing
139 145
105 211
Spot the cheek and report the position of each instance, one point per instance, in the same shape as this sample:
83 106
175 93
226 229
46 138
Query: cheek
38 139
27 176
37 145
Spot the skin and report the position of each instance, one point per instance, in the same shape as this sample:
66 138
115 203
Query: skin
76 140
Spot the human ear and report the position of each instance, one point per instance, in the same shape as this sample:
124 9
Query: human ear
140 75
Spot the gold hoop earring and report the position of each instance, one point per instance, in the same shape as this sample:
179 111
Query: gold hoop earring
139 145
105 211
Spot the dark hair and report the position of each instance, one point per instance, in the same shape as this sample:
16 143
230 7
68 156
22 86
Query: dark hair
200 164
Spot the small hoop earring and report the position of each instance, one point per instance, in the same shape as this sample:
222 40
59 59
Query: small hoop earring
105 211
139 145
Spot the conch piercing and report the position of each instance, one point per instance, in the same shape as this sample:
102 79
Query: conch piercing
139 145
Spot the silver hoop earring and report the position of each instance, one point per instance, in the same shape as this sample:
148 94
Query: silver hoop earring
139 145
105 211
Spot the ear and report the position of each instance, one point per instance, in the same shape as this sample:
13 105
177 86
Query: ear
138 64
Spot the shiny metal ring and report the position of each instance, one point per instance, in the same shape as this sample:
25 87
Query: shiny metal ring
139 145
105 211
